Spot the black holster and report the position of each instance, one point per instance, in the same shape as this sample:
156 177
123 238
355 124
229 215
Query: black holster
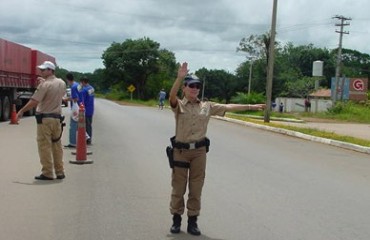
169 152
63 124
172 162
38 118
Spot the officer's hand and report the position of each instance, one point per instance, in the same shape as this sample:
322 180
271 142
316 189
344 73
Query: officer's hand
19 115
260 106
40 80
183 70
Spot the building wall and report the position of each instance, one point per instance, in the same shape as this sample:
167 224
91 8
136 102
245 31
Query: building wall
297 104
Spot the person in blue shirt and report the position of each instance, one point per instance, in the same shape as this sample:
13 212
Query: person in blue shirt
162 97
87 93
74 98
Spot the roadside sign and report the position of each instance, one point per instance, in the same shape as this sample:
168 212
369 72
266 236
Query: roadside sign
131 88
358 84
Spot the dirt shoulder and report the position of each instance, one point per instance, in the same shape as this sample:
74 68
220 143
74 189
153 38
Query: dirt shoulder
321 120
125 103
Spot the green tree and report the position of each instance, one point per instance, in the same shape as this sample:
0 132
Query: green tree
165 76
295 62
219 84
258 80
132 62
256 46
299 88
97 80
355 64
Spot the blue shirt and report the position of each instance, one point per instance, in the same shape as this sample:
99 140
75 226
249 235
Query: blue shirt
74 93
87 94
162 95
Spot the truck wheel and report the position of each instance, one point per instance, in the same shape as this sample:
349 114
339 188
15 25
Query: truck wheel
5 108
1 109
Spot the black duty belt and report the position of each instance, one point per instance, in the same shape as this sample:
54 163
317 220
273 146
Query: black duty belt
49 115
194 145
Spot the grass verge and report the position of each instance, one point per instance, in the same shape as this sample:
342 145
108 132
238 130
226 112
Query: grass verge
308 131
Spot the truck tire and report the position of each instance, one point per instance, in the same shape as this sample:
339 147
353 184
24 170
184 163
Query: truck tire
5 114
1 109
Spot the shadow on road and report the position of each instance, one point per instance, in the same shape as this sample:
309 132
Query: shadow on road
185 236
39 183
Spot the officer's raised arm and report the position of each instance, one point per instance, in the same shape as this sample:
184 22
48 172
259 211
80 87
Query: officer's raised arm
181 73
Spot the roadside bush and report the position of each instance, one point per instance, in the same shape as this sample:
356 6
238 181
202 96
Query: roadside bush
117 95
339 107
244 98
349 111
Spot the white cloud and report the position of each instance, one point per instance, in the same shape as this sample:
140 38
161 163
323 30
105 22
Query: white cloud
203 33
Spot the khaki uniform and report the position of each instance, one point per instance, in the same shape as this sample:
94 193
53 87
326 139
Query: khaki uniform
191 126
49 94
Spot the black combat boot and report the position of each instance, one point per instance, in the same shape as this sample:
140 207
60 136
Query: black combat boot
176 223
192 226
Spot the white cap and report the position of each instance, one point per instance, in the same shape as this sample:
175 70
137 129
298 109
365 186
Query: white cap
47 65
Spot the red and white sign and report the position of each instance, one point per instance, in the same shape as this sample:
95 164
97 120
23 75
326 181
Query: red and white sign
358 84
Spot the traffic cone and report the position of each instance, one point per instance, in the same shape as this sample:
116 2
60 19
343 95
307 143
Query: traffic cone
81 148
13 116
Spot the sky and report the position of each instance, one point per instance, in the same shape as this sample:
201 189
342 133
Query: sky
204 33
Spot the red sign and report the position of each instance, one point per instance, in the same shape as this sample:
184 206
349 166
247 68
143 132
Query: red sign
358 84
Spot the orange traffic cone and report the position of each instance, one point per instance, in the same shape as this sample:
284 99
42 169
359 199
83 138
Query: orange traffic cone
81 148
13 116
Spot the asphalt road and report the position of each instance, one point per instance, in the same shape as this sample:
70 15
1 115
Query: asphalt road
259 184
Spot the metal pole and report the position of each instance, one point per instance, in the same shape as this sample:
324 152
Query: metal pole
317 83
270 72
250 77
204 86
337 69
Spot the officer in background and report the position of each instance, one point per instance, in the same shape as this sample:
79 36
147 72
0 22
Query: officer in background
47 99
190 145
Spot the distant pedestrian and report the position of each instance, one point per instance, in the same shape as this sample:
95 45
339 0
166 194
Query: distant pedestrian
273 105
162 97
47 100
307 105
87 95
281 107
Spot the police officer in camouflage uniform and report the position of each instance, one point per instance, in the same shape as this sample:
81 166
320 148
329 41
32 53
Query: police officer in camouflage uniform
47 99
190 146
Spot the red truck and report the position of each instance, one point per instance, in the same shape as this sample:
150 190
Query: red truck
18 74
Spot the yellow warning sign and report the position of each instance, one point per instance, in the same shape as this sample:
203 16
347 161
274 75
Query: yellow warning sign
131 88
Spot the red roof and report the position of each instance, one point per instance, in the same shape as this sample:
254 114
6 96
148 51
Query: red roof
324 93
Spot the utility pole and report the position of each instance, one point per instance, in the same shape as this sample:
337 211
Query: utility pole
270 66
339 54
250 74
204 86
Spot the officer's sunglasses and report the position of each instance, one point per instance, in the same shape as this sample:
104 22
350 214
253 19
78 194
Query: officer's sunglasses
194 85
